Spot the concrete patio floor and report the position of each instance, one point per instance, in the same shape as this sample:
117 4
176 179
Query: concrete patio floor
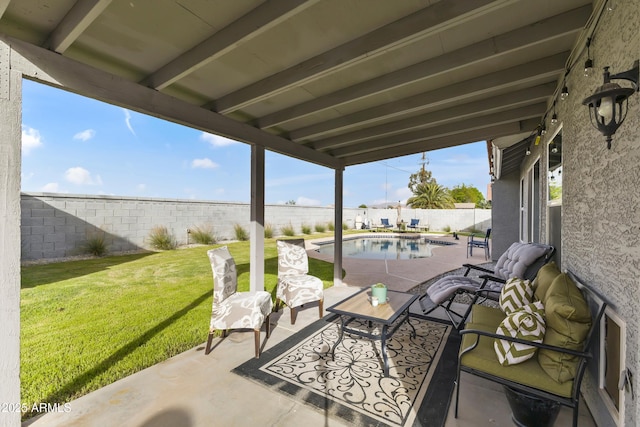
192 389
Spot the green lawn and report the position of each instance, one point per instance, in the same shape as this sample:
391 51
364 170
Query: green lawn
86 324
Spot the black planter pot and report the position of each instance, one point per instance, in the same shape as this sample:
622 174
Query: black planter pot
531 411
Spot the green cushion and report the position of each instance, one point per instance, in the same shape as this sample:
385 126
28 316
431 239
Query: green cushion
568 322
483 359
515 294
544 279
484 315
527 323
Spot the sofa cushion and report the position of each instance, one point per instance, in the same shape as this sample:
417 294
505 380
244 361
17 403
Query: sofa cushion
515 294
485 315
568 322
544 279
527 323
483 359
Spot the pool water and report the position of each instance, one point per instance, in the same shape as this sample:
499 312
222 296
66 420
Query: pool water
385 247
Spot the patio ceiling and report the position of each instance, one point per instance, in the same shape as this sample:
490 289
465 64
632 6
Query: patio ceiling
334 82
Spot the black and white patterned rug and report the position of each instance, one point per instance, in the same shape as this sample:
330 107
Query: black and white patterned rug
416 393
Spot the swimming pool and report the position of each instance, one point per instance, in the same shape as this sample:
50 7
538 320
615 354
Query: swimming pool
385 247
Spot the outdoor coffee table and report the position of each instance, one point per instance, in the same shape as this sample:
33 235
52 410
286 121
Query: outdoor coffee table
390 316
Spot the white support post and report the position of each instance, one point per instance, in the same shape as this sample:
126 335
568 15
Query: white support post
337 251
256 233
10 150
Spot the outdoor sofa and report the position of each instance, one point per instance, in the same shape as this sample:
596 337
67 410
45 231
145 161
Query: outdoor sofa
554 371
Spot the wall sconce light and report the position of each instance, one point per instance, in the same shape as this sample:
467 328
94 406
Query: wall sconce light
608 105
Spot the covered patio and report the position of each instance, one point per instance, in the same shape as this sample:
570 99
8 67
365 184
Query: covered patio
340 83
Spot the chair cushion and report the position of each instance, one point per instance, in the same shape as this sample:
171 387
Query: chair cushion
483 358
515 294
543 280
516 259
527 323
568 323
485 315
297 290
442 289
241 310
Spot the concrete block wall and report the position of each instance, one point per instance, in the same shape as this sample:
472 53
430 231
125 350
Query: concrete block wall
58 225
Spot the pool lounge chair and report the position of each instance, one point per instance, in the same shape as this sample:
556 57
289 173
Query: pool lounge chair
384 223
521 260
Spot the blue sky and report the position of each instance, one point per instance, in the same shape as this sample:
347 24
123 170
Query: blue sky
72 144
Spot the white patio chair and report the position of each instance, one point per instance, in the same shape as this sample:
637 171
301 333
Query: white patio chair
232 309
295 286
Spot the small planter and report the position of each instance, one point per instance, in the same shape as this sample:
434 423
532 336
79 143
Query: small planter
379 290
531 411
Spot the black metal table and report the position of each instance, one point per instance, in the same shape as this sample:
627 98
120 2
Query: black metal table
390 315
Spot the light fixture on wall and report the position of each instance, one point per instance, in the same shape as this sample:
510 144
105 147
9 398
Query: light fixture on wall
608 105
588 64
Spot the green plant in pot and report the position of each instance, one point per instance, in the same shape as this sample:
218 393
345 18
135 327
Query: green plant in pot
379 290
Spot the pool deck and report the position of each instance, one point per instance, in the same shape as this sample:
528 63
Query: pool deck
401 275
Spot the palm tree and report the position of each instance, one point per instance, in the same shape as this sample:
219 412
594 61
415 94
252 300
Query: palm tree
430 195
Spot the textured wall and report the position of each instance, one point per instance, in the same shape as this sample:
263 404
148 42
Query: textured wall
601 197
506 210
58 225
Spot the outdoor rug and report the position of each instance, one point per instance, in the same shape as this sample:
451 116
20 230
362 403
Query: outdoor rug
416 393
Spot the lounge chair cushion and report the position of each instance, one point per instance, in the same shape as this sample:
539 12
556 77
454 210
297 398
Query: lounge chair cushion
515 294
544 279
444 287
528 324
568 323
515 261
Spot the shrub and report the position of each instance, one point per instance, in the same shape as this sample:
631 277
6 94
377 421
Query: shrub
241 233
345 226
320 228
268 231
203 235
288 230
306 229
446 229
96 244
330 226
160 238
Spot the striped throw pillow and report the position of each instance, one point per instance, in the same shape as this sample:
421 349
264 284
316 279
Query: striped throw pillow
527 324
515 294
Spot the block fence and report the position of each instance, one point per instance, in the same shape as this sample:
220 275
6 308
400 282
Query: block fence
58 225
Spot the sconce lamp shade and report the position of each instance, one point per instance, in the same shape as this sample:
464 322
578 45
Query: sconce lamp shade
608 105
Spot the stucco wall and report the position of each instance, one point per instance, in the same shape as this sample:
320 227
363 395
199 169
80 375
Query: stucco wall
58 225
505 213
601 201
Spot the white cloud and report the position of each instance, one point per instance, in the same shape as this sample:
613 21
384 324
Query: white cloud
305 201
203 164
141 187
216 140
51 187
81 176
30 139
85 135
127 120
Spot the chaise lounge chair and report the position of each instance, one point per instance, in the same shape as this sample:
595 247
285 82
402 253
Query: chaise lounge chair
522 260
384 223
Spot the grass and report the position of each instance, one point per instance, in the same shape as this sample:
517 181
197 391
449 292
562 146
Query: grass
240 233
96 245
203 235
86 324
161 238
306 229
288 230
